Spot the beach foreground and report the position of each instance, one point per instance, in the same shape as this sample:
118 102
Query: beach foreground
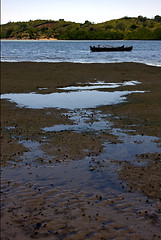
81 184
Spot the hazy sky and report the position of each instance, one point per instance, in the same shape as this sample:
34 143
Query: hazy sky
77 10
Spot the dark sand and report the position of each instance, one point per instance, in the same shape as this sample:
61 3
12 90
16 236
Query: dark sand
61 185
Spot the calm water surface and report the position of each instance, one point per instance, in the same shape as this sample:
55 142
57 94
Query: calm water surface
74 97
148 52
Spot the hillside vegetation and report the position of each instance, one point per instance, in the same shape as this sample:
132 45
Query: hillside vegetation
124 28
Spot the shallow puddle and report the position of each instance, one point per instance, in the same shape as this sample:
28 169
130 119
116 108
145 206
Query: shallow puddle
74 97
130 147
68 100
84 120
35 154
99 85
125 148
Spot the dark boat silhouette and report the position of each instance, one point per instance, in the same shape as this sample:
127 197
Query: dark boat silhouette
111 49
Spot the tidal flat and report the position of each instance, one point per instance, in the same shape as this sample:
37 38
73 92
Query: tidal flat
85 167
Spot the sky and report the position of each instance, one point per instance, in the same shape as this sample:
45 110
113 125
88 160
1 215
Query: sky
77 10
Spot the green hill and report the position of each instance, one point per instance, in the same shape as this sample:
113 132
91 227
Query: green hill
124 28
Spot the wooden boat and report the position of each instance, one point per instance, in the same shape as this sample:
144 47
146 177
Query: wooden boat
110 49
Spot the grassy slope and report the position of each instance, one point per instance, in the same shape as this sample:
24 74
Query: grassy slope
124 28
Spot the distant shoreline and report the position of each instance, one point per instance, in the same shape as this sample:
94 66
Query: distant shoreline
28 39
55 39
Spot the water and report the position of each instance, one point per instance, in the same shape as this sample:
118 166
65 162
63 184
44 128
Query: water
69 100
82 101
79 97
84 120
99 85
94 121
148 52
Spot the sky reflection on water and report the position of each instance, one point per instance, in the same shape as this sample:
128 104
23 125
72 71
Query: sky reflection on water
79 97
68 100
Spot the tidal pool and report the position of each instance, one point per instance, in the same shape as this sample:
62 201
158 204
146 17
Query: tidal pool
93 121
68 100
74 97
84 120
100 85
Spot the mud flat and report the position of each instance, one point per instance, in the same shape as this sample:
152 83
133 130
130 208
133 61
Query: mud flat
75 171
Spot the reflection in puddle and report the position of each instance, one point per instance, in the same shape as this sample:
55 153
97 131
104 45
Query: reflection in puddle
83 121
68 100
93 121
77 100
132 146
77 97
34 154
9 128
100 85
42 88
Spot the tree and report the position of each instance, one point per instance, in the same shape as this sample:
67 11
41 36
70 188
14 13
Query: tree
157 33
142 19
87 23
9 32
133 26
157 18
31 34
120 26
108 26
44 29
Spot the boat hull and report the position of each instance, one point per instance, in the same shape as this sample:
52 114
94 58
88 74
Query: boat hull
111 49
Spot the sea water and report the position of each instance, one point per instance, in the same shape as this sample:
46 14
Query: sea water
148 52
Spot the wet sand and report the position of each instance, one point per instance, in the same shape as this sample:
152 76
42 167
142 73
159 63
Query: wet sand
72 185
